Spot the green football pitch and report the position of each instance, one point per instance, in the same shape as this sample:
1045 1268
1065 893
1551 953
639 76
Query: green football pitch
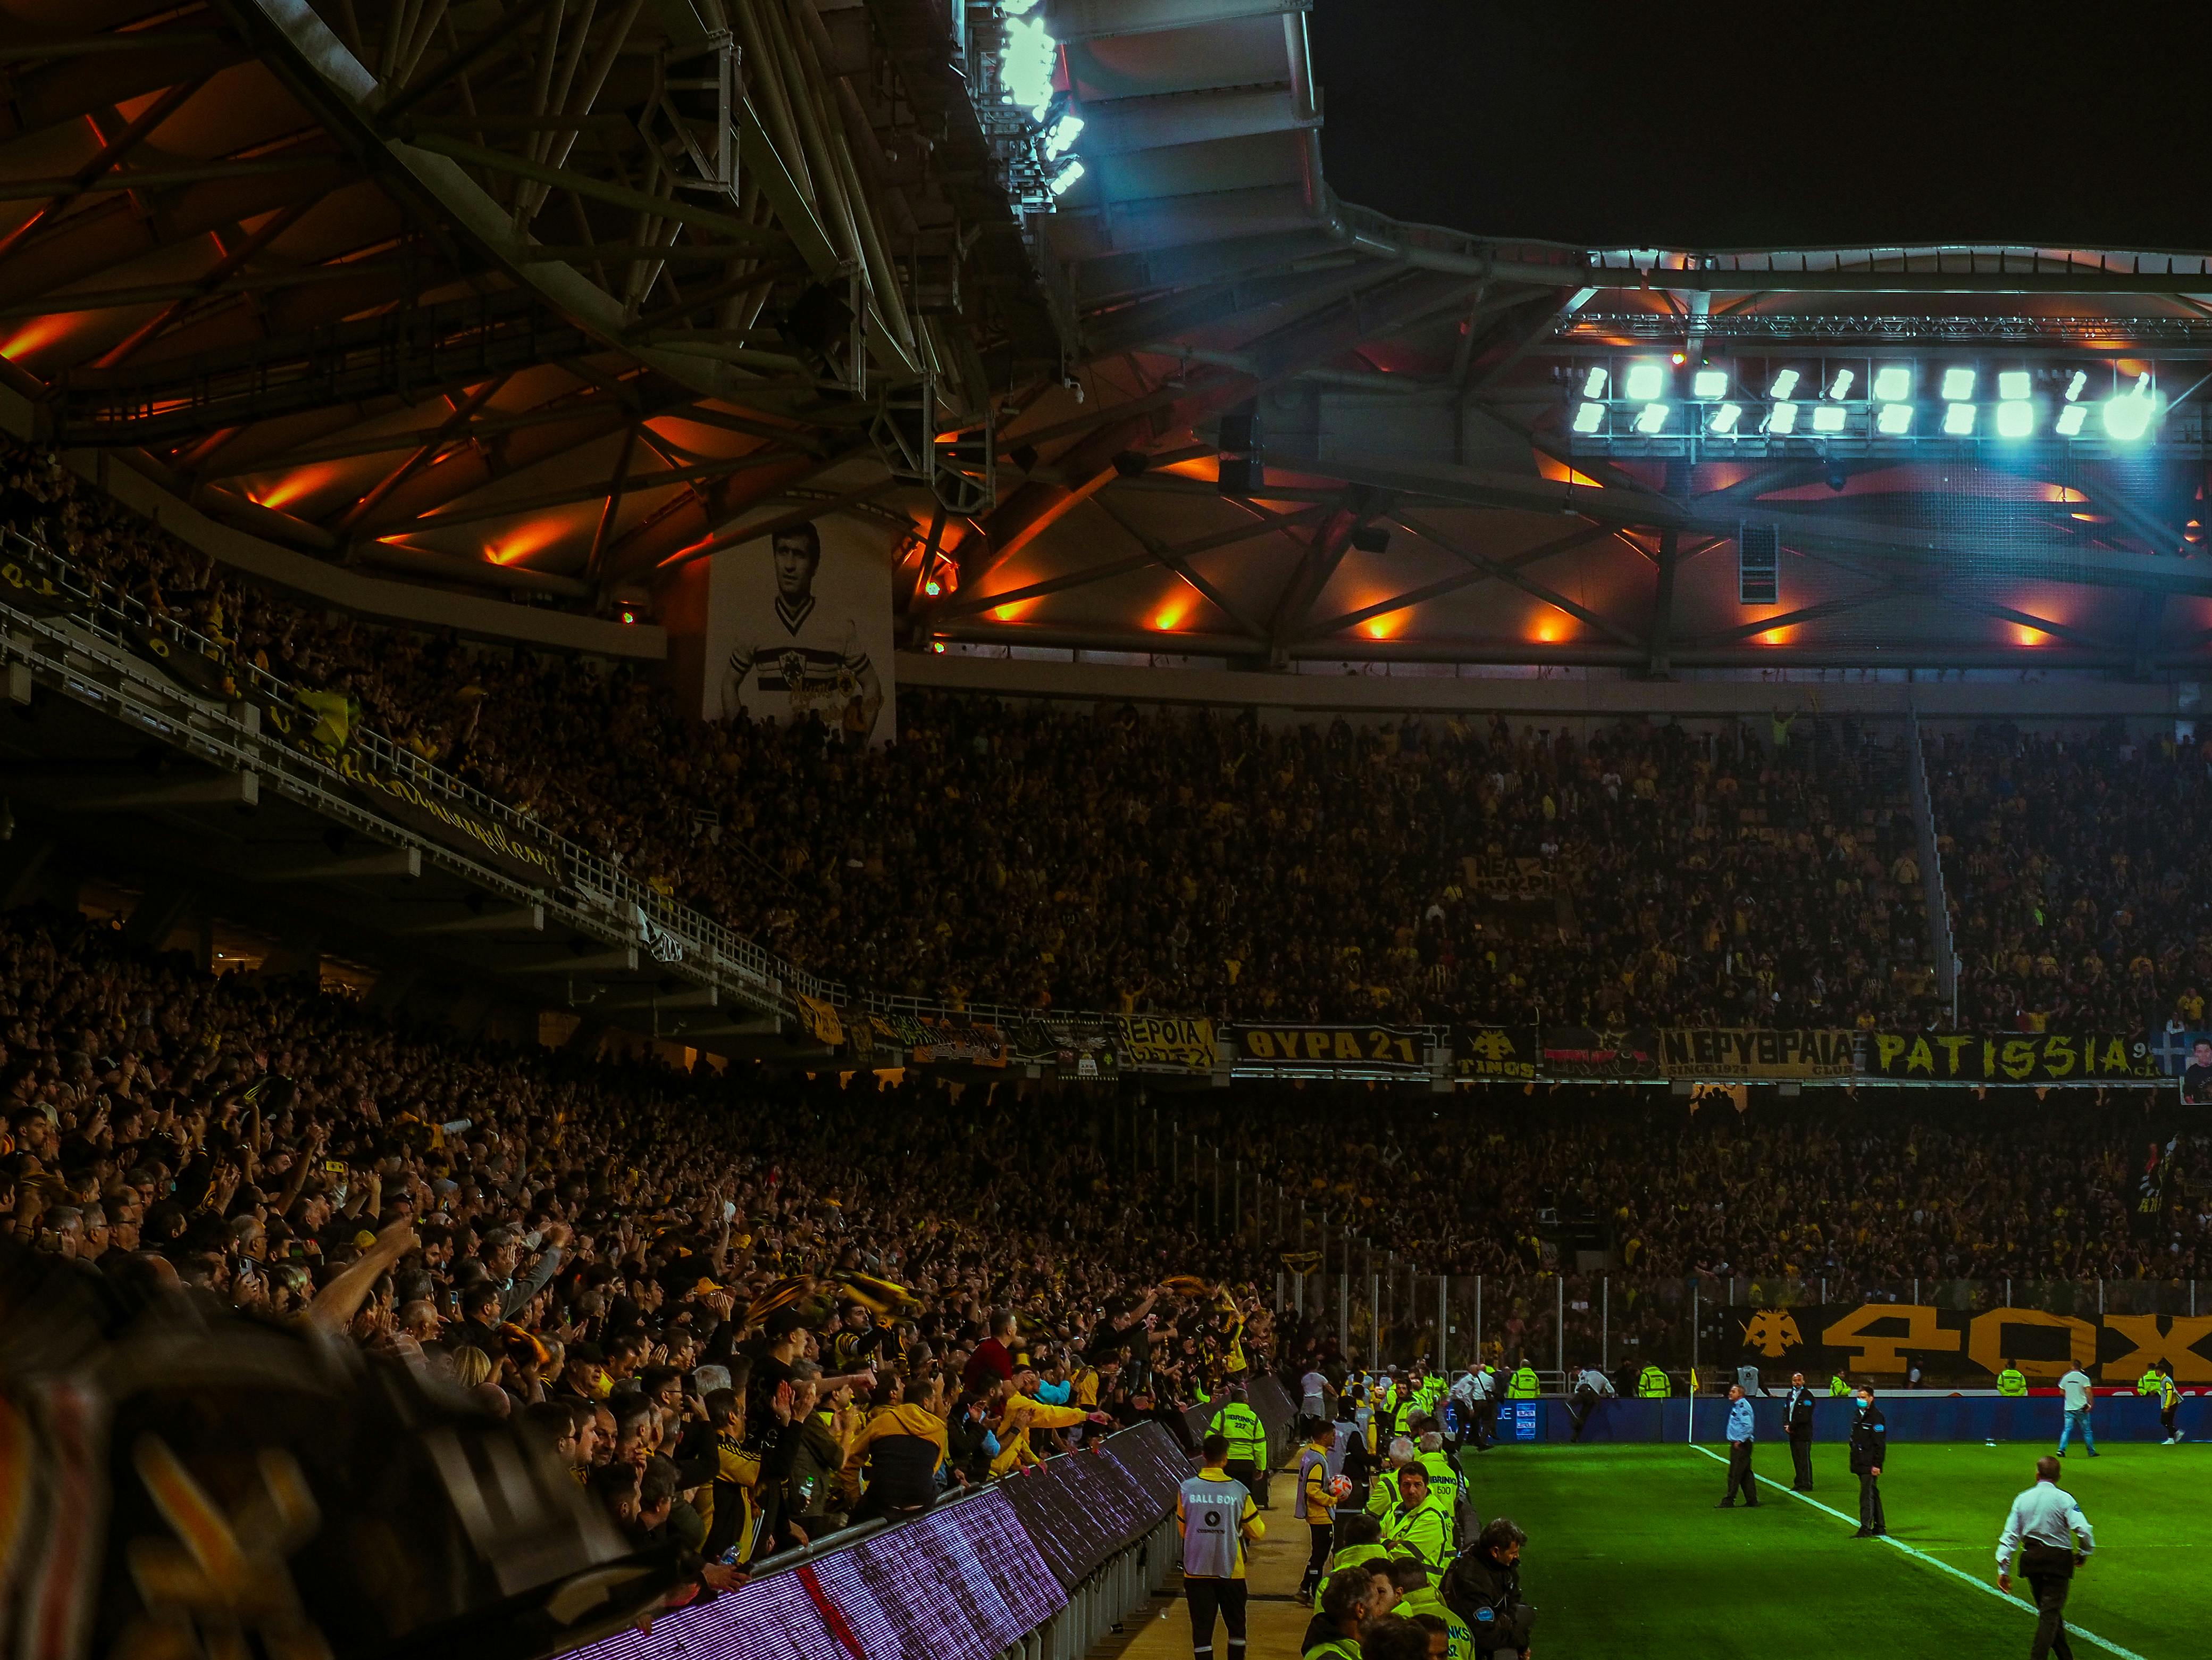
1627 1555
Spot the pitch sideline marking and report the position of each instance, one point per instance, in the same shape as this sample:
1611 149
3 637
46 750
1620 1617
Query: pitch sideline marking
2073 1630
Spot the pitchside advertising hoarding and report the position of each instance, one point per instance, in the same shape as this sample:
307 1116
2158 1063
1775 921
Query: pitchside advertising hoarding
1882 1340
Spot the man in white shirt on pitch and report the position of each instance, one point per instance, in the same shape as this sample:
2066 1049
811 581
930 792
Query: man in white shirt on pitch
2081 1397
2053 1538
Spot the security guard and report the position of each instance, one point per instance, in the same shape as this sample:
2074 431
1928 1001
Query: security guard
1651 1382
2012 1381
1421 1592
1444 1478
1483 1588
2053 1538
1797 1423
2151 1382
1420 1524
1523 1386
1382 1494
1837 1388
1240 1425
1361 1538
1340 1609
1217 1518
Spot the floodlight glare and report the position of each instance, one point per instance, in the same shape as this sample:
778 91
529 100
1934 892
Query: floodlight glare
1783 385
2013 385
1593 384
1784 420
1067 175
2074 387
1651 417
1957 386
1893 420
1828 417
2016 417
1958 420
1724 419
1646 381
1589 417
2127 415
2070 419
1709 383
1061 134
1842 387
1892 382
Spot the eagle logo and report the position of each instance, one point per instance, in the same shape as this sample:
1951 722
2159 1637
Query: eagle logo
1771 1332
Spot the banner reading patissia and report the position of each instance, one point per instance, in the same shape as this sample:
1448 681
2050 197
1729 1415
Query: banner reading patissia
1979 1058
1717 1052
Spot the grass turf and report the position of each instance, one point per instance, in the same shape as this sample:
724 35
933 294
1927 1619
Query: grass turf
1627 1555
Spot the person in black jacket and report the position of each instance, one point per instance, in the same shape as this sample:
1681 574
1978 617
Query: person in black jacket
1797 1420
1483 1587
1869 1450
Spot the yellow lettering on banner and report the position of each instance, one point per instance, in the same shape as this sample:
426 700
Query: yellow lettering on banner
2019 1058
2177 1343
1887 1047
1316 1046
2058 1056
1347 1047
1921 1059
1882 1352
1989 1057
1951 1047
1986 1346
1259 1045
2116 1056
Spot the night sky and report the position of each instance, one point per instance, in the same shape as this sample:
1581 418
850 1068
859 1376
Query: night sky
1785 125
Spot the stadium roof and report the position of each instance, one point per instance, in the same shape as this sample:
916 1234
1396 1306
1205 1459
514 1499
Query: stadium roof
469 291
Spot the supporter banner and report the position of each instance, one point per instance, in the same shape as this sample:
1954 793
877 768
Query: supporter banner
2008 1058
951 1041
1585 1052
798 627
526 857
2187 1055
1079 1051
1168 1042
1505 1052
821 1020
884 1040
1501 877
1883 1339
1371 1048
27 582
1753 1052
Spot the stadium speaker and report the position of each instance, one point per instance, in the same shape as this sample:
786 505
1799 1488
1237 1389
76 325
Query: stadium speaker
1132 463
1237 426
1759 565
818 320
1371 538
1241 474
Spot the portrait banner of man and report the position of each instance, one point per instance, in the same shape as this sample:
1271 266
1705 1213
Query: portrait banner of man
799 626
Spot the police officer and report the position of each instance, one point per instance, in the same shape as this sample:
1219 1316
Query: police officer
2053 1538
1217 1518
1870 1451
1523 1386
1742 1434
2011 1382
1248 1442
1483 1588
1651 1382
1797 1420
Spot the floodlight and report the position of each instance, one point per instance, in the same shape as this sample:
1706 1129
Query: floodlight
1026 65
1593 386
1646 381
2128 415
2013 385
1892 382
1724 419
1892 420
1783 419
1842 387
2016 417
1651 417
1061 134
1828 417
2074 387
1957 386
1783 385
2070 419
1589 417
1958 419
1067 175
1709 383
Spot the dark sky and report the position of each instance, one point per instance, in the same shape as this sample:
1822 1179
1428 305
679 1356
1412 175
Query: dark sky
1788 124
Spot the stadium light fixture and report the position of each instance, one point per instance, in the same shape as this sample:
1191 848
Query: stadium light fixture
1593 384
1026 68
1828 417
1892 383
1709 384
1840 387
2014 385
1958 384
1646 382
1781 388
1652 418
1067 177
1892 420
1958 419
1589 417
2070 420
2016 417
2127 415
2074 387
1783 420
1060 134
1724 420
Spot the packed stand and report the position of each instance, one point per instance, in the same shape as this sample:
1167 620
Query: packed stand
1176 862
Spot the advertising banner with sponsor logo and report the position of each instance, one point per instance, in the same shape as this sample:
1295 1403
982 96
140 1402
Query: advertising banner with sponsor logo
1368 1049
1510 1054
1718 1052
2045 1057
1883 1339
1168 1042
